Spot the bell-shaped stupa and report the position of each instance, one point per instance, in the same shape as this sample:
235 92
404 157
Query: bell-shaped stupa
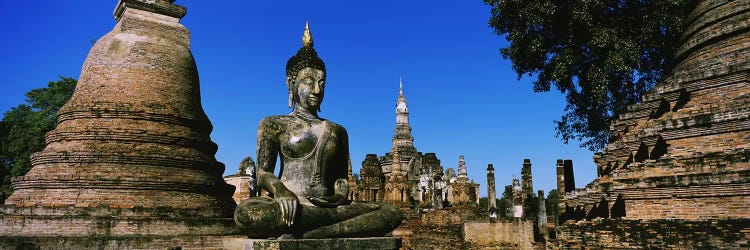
131 154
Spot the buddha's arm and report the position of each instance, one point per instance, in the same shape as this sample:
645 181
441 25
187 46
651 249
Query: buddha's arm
339 172
267 151
336 172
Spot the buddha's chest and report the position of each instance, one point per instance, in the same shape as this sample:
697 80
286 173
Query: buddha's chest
305 140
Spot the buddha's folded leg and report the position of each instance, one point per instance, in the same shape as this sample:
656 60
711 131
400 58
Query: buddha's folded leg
259 217
372 223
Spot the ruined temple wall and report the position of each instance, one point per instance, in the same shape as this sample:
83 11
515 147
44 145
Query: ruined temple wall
508 234
657 234
242 187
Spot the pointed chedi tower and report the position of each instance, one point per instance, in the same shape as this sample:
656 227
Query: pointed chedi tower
131 154
397 185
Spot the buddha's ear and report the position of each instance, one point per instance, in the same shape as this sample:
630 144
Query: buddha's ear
289 84
289 81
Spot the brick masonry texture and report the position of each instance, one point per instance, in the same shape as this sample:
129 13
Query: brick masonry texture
655 234
131 155
681 160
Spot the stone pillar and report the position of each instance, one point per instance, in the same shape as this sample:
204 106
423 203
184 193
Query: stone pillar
491 199
570 182
542 220
509 204
131 155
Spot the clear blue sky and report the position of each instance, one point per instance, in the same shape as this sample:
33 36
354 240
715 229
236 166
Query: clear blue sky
464 99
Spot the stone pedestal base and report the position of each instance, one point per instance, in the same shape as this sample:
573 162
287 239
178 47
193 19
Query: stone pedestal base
380 243
114 242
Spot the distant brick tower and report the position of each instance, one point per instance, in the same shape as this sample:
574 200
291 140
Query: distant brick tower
131 154
560 167
526 181
397 184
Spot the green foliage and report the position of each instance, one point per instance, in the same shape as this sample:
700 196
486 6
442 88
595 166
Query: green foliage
603 54
22 129
484 200
551 203
531 207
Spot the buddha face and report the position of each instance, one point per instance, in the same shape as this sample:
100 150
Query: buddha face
308 88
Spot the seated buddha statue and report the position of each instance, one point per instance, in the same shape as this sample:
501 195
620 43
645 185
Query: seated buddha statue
308 198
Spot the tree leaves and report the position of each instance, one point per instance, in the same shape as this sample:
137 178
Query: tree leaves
22 129
603 54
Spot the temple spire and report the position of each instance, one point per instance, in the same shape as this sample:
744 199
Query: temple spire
402 112
400 86
402 136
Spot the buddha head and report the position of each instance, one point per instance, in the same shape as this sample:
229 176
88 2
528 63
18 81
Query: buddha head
306 75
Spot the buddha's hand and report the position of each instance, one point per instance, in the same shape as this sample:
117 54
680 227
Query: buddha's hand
341 190
288 203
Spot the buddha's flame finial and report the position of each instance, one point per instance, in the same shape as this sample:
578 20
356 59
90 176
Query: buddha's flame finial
307 40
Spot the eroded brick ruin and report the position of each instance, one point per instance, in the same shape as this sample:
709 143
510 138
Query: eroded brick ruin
681 158
131 155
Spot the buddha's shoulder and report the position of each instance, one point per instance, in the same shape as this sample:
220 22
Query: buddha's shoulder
335 126
274 122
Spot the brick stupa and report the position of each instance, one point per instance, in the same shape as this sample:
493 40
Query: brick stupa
678 172
131 154
683 152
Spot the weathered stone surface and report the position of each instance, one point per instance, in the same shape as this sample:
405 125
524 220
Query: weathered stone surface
131 154
380 243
